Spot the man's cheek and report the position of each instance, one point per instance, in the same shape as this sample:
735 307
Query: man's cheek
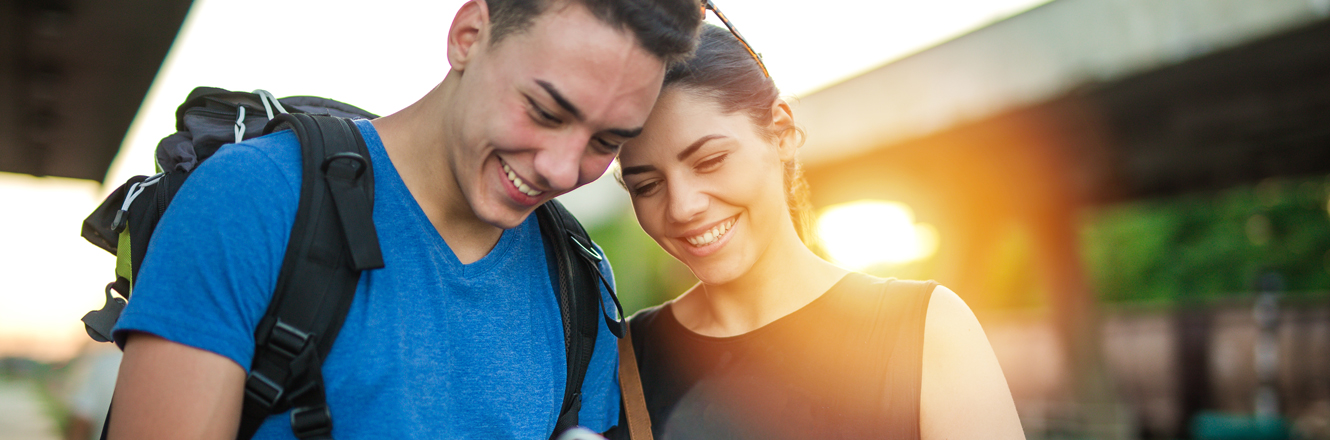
592 169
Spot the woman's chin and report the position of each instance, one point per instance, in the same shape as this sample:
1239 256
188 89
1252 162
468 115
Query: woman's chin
714 272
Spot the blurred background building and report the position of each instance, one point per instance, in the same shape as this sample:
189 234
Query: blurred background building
1115 186
1133 195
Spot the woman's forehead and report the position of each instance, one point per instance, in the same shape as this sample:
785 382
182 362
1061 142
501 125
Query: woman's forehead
678 121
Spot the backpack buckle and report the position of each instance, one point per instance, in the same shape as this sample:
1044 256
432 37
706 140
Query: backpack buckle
311 421
588 251
263 390
287 340
350 166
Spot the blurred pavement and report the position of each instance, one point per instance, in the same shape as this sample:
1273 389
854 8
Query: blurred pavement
21 414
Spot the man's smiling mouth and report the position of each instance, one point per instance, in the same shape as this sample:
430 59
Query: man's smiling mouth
518 183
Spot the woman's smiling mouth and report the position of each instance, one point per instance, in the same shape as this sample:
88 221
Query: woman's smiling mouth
712 235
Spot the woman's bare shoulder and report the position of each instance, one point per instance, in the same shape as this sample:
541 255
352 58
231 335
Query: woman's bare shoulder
963 391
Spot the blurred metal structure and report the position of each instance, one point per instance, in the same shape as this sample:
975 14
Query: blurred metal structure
1023 124
72 76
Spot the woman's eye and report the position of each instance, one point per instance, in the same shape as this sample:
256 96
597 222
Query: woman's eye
645 189
711 163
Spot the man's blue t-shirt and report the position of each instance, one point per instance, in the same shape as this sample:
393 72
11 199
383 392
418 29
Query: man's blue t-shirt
431 348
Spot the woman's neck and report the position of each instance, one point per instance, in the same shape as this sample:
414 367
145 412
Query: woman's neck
785 278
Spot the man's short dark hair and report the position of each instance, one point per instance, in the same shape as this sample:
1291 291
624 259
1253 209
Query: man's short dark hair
665 28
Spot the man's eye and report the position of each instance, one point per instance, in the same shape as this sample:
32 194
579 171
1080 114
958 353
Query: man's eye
542 116
711 163
609 147
646 189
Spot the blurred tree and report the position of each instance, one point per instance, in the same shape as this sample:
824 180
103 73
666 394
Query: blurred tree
1205 246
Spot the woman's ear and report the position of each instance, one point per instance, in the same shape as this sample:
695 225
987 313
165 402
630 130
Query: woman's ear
787 135
468 33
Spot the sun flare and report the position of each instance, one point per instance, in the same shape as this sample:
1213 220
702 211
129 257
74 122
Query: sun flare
869 232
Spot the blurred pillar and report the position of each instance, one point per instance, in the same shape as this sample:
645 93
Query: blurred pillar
1193 325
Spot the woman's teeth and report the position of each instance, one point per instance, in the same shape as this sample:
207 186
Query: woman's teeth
711 235
517 182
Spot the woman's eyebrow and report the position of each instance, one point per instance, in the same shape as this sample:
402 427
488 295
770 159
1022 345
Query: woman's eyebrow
637 170
695 145
692 148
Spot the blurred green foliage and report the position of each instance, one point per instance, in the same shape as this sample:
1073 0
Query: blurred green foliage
1213 245
644 275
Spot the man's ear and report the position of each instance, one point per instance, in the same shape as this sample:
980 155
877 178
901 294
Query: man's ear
788 136
468 33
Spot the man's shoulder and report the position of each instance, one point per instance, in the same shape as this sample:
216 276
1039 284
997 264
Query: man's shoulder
274 152
257 175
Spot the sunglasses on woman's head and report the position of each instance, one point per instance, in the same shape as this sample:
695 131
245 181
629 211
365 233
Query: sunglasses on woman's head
707 4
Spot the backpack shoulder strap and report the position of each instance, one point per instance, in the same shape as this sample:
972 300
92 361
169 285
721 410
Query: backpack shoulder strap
575 272
332 241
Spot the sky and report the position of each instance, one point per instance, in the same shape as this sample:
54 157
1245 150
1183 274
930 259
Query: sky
382 56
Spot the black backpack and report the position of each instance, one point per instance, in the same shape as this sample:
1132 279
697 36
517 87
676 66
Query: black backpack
311 298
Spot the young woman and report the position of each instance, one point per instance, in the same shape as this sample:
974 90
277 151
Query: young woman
775 342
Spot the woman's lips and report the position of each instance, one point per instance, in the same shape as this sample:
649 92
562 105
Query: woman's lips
708 241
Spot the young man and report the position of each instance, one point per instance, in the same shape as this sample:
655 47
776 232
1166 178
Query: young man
459 336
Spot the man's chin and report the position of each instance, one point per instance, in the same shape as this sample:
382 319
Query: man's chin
506 218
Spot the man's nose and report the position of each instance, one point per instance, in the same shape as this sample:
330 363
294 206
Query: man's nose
560 162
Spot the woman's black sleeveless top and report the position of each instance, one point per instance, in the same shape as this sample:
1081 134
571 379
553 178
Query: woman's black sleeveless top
845 366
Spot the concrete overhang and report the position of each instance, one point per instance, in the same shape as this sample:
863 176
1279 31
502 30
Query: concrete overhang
73 73
1028 59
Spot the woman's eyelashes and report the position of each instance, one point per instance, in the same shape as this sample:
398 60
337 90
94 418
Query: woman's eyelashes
710 163
646 188
707 165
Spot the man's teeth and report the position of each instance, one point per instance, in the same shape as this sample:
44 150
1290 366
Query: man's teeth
711 235
517 181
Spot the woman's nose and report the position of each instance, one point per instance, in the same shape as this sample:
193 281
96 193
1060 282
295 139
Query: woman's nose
686 202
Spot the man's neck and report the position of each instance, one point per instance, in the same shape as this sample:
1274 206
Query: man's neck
414 139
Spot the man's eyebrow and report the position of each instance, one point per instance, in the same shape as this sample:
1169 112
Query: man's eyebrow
636 170
559 99
695 145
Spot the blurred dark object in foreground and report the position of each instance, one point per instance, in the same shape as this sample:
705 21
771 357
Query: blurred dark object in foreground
72 76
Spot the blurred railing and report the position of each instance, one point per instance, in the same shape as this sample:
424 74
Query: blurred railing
1174 369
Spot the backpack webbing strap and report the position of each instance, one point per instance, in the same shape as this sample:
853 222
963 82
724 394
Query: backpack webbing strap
573 264
332 240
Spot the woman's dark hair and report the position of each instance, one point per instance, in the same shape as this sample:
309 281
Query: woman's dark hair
723 71
665 28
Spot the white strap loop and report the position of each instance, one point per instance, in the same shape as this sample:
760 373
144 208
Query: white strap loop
137 188
240 124
266 97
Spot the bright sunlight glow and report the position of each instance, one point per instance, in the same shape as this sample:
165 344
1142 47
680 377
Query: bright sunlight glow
870 232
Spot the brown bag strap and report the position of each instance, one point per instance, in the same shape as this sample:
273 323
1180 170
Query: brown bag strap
634 402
